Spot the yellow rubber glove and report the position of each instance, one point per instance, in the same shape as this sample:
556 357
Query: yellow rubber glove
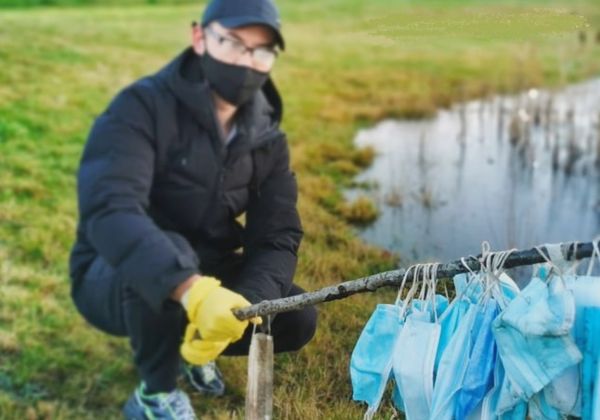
200 352
209 307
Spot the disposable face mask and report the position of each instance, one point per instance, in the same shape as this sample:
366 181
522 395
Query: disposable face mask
550 309
508 396
413 363
424 313
564 393
449 323
452 368
539 409
397 399
423 307
487 410
451 318
479 374
586 290
453 314
468 287
531 337
517 413
509 288
596 401
590 365
371 360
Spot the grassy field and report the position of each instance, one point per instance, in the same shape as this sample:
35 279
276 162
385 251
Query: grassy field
349 63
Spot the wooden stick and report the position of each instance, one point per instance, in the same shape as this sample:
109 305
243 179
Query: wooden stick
394 278
259 390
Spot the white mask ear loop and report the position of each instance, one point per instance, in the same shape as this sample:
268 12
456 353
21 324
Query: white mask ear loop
426 290
411 291
553 266
399 296
485 268
445 288
595 253
434 272
470 281
428 274
424 293
486 278
573 268
496 271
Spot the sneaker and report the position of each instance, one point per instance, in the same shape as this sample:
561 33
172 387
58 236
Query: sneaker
206 379
174 405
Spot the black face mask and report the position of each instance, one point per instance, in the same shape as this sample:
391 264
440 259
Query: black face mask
235 84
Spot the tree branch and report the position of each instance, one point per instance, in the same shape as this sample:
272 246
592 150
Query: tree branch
394 278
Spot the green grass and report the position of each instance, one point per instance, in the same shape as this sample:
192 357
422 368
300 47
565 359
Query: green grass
349 63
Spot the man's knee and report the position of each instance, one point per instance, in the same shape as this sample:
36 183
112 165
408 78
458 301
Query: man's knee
300 328
308 326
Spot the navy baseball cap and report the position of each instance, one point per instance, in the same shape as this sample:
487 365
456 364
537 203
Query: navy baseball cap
237 13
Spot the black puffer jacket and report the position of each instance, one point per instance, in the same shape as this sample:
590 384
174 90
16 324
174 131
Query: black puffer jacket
159 193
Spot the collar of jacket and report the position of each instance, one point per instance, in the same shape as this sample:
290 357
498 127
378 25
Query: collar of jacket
255 120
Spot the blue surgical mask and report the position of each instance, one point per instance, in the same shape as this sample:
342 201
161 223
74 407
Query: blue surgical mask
590 365
571 393
371 360
449 323
539 409
453 314
563 394
532 335
479 374
518 412
452 368
490 401
413 362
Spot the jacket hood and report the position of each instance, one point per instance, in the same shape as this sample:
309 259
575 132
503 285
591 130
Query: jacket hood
185 78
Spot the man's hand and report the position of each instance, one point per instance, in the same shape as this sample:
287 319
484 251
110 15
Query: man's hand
209 307
200 352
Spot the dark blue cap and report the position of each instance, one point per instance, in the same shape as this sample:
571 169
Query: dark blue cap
237 13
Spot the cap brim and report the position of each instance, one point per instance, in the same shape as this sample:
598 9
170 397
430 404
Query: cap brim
239 21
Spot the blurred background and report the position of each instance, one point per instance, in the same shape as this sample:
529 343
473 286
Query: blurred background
418 129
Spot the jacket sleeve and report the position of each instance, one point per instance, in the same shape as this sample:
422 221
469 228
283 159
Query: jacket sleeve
273 233
114 182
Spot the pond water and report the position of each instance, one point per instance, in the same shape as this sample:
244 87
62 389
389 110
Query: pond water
516 171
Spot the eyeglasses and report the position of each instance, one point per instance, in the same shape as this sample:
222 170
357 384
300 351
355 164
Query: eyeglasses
263 57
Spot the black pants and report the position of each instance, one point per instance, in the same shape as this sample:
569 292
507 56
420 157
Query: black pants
107 303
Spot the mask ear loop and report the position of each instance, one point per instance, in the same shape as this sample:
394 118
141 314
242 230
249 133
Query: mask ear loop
553 266
497 270
426 289
445 287
424 279
572 270
399 296
459 297
486 277
433 273
492 265
411 291
595 253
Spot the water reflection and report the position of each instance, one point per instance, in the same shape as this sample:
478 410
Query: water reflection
516 171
